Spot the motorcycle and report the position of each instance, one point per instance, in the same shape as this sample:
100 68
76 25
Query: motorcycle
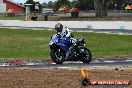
58 54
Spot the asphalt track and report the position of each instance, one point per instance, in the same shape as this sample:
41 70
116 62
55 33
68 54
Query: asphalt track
69 64
80 64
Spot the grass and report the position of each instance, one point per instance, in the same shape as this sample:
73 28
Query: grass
12 18
33 44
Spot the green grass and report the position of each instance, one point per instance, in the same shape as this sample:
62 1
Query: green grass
12 18
33 44
103 45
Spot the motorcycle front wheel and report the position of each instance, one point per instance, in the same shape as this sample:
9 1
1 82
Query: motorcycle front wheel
57 55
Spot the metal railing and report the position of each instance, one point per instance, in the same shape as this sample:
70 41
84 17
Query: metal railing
113 15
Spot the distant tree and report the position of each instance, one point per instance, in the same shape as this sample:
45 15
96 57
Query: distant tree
29 2
32 7
101 7
39 5
20 3
60 3
84 4
120 4
50 4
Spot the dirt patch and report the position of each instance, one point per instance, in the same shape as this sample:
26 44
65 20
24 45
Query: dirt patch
59 78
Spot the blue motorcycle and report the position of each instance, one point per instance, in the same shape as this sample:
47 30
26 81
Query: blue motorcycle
58 53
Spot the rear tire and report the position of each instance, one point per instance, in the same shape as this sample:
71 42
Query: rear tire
57 55
86 55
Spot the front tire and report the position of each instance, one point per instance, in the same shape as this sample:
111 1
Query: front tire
57 55
86 55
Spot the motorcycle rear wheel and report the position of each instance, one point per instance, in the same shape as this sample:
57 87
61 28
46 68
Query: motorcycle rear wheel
86 55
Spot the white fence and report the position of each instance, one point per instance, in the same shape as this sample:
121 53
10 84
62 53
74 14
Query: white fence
71 24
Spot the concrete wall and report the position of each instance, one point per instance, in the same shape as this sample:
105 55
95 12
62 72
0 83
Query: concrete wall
71 24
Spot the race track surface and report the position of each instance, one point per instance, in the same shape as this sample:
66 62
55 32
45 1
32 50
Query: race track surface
50 64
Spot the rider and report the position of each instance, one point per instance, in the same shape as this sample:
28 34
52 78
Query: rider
67 38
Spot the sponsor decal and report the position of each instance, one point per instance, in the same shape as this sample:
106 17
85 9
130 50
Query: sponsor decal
85 80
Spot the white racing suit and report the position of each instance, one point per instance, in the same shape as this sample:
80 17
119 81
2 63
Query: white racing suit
67 40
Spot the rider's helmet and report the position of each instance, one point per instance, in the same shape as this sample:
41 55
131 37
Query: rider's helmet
59 27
